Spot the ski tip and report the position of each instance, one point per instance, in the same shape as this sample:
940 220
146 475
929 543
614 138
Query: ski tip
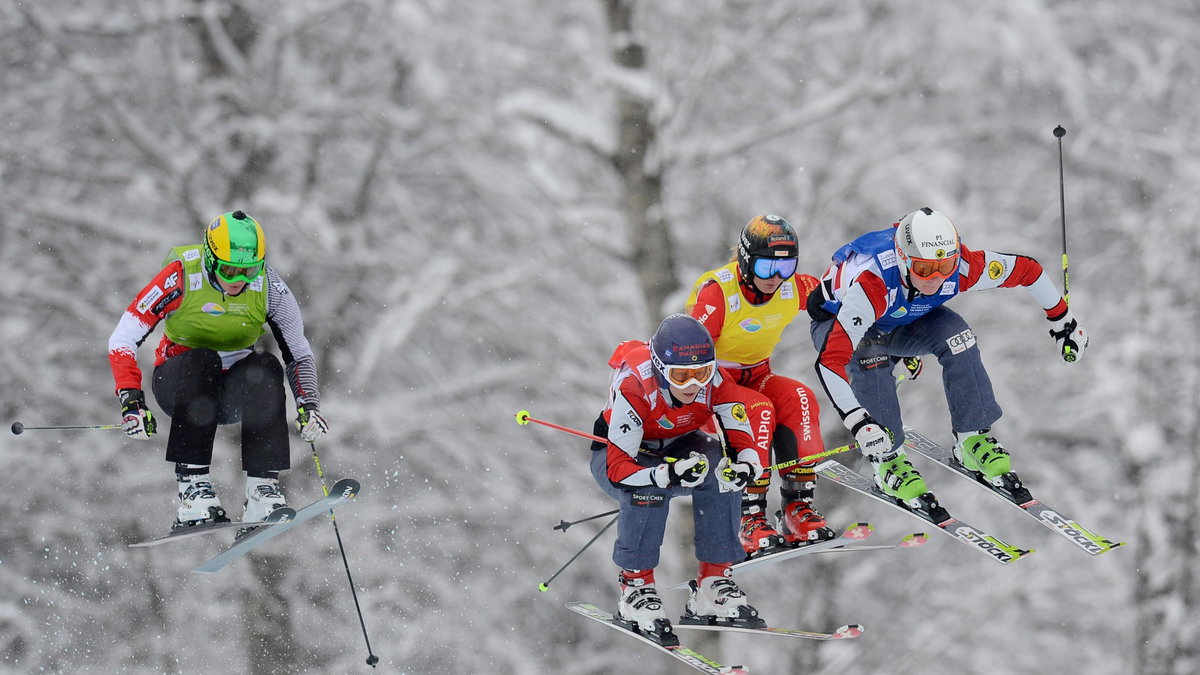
859 531
848 632
914 539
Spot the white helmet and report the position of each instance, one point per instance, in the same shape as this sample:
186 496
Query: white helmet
927 245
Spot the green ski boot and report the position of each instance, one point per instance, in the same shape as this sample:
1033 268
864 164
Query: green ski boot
979 451
898 478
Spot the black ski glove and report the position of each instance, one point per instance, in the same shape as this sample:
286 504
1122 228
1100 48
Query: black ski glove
136 419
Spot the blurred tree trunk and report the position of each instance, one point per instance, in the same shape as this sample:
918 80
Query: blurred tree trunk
266 615
640 168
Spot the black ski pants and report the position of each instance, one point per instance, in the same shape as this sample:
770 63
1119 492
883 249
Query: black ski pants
199 396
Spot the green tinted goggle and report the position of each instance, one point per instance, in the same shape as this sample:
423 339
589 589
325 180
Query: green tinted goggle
232 274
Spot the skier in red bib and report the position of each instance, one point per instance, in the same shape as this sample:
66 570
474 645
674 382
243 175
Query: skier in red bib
663 393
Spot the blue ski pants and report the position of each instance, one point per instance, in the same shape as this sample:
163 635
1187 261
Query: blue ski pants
941 333
643 516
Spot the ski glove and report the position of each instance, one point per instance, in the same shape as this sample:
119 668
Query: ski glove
733 476
874 440
688 472
1072 339
136 419
912 365
310 423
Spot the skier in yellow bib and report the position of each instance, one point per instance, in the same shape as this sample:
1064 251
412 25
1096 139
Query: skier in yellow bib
745 305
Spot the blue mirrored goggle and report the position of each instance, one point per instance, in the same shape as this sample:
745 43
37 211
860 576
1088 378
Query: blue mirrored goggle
765 268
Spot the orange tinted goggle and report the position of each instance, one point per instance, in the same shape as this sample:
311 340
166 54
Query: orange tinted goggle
682 376
923 268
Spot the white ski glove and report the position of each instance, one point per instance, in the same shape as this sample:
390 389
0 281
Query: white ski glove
734 476
688 472
1072 339
310 423
136 419
874 440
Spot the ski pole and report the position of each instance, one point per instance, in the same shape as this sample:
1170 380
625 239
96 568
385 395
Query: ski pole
545 585
563 525
17 427
809 458
371 658
524 419
1059 132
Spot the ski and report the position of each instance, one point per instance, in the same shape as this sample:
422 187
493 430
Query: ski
206 528
934 514
855 532
848 632
679 652
1013 493
907 541
341 491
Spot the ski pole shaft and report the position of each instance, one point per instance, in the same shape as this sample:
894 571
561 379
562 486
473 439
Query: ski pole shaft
1059 132
811 458
563 525
17 427
371 658
545 585
523 419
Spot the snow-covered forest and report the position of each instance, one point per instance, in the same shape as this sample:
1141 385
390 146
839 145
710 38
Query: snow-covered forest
475 201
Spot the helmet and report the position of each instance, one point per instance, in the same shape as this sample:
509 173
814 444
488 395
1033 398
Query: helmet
682 351
767 237
927 245
234 247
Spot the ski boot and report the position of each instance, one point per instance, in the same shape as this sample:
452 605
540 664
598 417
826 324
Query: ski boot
981 453
757 536
198 503
716 600
800 524
898 478
262 498
798 521
640 610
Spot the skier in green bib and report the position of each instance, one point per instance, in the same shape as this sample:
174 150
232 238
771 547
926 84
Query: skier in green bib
215 300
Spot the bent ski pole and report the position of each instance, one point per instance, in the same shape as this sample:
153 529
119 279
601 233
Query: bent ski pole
371 658
545 585
17 427
524 419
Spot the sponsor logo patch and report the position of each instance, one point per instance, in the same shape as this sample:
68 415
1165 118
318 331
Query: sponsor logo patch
738 412
751 325
665 423
149 299
212 308
161 305
647 499
961 342
191 254
171 280
995 269
633 417
195 281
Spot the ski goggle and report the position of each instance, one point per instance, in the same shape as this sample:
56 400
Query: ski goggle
232 274
683 376
924 268
765 268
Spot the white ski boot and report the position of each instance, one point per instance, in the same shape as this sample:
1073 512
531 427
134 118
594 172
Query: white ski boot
640 609
198 503
262 498
717 601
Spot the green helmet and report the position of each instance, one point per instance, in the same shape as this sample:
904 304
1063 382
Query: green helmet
235 248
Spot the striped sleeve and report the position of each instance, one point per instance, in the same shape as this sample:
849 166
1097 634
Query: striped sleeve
283 316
